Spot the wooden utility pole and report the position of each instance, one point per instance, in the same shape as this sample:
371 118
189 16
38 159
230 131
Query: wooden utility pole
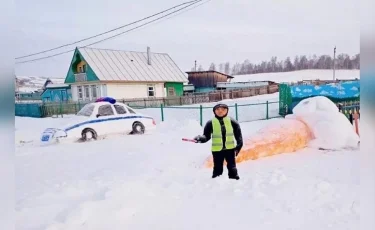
334 63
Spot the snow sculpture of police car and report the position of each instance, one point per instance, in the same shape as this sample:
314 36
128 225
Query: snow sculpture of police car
103 117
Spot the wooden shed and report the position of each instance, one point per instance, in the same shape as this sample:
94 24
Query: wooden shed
205 81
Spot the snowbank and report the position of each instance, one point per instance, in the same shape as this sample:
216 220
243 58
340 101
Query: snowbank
315 122
330 128
299 75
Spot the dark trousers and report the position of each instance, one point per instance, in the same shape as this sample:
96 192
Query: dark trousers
229 156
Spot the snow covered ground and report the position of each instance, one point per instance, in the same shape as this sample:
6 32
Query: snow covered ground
295 76
157 181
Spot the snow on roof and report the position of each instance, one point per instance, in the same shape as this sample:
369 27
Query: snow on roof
56 86
299 75
117 65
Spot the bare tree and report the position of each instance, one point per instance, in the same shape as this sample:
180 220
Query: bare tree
227 68
221 67
302 62
212 67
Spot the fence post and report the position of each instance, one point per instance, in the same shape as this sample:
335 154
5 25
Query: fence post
267 115
162 112
236 109
201 114
61 109
40 110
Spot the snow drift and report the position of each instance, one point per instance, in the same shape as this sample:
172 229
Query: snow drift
316 122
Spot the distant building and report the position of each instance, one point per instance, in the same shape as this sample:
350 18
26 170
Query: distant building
206 81
242 85
189 88
95 73
56 93
28 96
46 92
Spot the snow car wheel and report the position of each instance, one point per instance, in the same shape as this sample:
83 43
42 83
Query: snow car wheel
138 128
89 134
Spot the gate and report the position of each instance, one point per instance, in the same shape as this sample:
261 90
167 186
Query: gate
285 99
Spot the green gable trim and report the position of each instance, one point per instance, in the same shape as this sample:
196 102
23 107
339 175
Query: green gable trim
178 88
77 58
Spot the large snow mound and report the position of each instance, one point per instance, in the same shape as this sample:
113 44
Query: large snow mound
330 128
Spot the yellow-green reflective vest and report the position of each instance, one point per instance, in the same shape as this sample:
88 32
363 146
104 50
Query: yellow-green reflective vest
217 140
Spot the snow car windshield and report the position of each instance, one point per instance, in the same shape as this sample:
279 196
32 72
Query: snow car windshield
86 110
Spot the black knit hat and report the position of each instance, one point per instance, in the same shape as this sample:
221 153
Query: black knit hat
220 106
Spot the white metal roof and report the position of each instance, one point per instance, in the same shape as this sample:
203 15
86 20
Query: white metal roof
117 65
56 85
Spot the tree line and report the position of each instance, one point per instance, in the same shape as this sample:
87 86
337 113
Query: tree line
343 61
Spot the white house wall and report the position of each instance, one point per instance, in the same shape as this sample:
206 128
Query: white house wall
133 90
74 93
121 91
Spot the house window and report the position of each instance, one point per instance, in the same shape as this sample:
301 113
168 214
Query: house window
171 91
94 92
151 90
87 92
84 68
80 93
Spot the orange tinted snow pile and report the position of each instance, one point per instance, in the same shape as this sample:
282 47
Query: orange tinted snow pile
288 135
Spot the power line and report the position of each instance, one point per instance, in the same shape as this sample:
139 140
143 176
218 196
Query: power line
97 35
184 11
68 51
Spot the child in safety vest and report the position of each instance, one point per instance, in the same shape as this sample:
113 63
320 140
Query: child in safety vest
227 142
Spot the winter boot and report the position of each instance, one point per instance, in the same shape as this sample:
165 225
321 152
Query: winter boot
234 177
215 175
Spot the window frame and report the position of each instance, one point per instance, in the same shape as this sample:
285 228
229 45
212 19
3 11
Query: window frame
80 94
88 91
92 89
151 90
173 89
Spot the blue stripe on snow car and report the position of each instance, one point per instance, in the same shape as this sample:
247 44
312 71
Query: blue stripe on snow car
103 120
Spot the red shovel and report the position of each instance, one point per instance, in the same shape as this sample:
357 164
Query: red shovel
189 140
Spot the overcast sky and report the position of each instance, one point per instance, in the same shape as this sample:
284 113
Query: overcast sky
218 31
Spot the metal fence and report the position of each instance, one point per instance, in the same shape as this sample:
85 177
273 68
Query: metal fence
47 110
199 98
241 112
202 113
